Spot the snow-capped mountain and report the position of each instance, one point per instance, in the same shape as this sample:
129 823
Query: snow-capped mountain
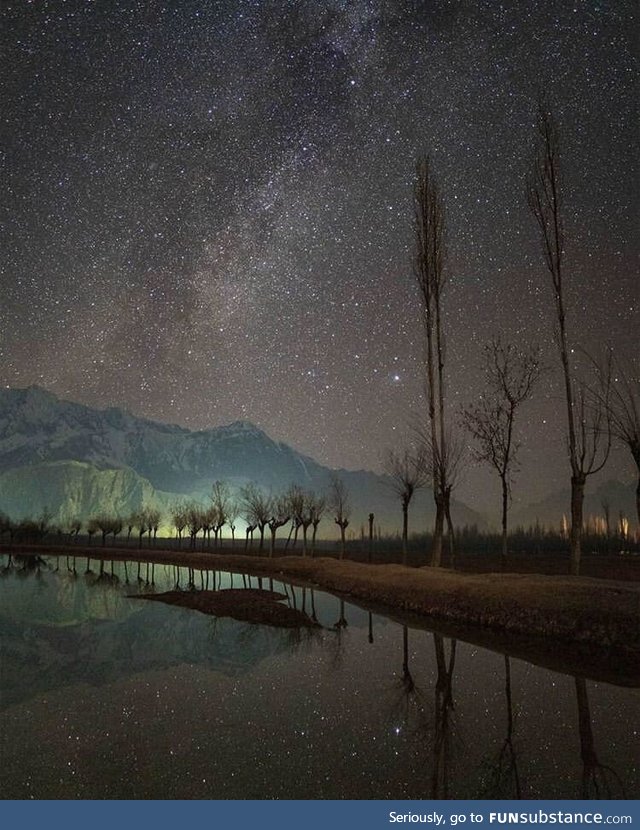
77 461
36 427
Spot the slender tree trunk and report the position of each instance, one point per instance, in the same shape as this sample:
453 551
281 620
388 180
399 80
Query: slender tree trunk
342 543
505 508
405 532
450 531
577 501
438 527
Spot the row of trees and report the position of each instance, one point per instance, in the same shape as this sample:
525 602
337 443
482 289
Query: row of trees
599 408
259 510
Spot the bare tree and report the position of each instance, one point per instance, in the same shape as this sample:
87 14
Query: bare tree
195 522
430 255
618 390
75 526
233 511
116 527
317 505
210 521
586 426
257 508
409 471
130 523
444 464
280 515
142 523
154 517
339 505
511 375
220 499
179 519
92 528
296 499
312 506
104 524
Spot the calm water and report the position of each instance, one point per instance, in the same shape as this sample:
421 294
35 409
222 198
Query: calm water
106 696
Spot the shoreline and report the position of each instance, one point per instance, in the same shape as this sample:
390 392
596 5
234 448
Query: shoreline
601 618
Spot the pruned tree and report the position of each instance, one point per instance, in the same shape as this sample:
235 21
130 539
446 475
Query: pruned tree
74 527
307 516
296 502
142 523
408 471
104 524
340 507
257 508
233 511
116 527
195 522
92 529
220 499
179 519
280 515
429 260
511 375
154 517
444 464
210 520
316 505
130 523
588 438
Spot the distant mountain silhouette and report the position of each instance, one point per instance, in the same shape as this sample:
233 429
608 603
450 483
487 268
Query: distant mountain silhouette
77 461
549 511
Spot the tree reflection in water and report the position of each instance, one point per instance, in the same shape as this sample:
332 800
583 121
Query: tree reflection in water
443 721
598 780
410 712
502 773
407 709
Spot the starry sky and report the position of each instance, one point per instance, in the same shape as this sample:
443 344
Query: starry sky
207 207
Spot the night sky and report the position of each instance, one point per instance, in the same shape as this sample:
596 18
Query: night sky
207 210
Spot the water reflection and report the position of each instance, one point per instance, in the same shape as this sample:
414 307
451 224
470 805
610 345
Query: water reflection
598 780
351 706
443 717
502 774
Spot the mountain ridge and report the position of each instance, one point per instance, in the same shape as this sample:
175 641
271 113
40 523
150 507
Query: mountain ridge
126 461
44 437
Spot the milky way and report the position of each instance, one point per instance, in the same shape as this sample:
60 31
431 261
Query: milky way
208 217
